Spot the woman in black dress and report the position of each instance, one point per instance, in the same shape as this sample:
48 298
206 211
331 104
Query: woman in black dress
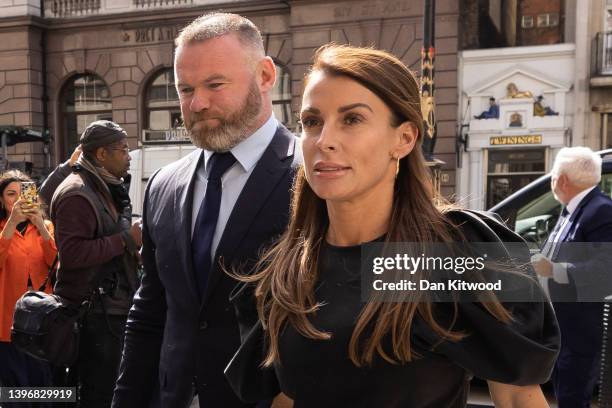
364 179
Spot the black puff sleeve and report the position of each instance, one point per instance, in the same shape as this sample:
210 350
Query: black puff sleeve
521 352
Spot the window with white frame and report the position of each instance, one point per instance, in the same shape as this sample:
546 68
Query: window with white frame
548 20
527 22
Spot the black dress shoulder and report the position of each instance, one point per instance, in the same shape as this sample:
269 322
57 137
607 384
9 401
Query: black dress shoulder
319 373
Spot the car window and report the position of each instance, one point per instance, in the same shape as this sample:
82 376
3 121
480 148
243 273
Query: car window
536 219
606 184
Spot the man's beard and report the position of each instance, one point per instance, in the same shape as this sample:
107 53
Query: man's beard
232 129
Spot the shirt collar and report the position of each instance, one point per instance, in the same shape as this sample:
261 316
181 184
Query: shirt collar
574 202
249 151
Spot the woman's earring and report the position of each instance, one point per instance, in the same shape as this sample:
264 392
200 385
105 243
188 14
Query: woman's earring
397 168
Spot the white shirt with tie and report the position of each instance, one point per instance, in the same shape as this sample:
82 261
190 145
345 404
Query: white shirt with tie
559 270
247 154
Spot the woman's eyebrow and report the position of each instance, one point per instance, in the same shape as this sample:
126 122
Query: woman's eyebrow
354 105
310 109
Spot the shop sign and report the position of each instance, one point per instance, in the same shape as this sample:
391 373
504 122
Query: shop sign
515 140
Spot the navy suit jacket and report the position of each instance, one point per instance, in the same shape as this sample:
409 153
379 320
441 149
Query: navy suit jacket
584 247
173 339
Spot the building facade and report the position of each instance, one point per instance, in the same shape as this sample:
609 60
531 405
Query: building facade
533 78
64 64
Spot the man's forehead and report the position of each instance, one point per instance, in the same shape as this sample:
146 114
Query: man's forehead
220 44
120 143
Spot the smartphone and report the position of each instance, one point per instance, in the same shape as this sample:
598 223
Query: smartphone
29 194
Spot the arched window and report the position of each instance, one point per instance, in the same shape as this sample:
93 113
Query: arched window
162 110
281 97
84 99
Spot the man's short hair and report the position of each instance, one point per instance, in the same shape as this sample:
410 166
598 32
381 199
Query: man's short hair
580 164
216 25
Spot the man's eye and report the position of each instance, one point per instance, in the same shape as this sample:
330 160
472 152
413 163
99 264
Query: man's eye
215 85
185 91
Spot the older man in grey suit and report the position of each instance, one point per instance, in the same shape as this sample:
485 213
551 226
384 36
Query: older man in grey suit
221 204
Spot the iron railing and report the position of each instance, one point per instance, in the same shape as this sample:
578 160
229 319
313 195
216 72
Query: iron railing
77 8
161 3
603 53
71 8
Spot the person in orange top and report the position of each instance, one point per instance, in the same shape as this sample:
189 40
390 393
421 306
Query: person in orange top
27 251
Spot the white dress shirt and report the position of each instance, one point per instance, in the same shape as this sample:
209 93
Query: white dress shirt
247 154
559 270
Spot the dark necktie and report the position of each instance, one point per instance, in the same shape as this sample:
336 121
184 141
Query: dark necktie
550 241
206 221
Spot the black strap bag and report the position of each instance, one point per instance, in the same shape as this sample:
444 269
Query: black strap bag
46 327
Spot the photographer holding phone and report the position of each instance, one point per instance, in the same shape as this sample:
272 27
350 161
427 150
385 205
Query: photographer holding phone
27 251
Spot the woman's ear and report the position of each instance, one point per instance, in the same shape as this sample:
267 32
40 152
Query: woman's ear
407 133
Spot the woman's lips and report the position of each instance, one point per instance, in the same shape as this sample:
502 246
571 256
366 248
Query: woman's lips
330 170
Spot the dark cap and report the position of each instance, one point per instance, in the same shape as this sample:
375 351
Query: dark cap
101 133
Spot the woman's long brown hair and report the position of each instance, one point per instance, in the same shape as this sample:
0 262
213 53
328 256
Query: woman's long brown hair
287 273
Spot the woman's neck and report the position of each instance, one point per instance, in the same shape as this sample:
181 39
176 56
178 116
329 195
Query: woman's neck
358 221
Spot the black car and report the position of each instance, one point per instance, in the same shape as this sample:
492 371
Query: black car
532 211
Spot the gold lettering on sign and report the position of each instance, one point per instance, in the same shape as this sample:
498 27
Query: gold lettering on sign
152 34
376 9
515 140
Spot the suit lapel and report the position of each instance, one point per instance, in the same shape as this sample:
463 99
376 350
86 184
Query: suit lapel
268 171
183 204
571 228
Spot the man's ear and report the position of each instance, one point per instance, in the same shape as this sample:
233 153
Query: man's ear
101 154
266 74
407 135
562 181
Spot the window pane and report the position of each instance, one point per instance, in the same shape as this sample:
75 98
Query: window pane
282 87
87 93
527 22
162 92
281 97
606 184
542 20
500 187
162 104
536 219
85 99
513 161
608 135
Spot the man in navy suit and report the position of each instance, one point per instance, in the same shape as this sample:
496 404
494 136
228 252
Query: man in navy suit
212 210
574 269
